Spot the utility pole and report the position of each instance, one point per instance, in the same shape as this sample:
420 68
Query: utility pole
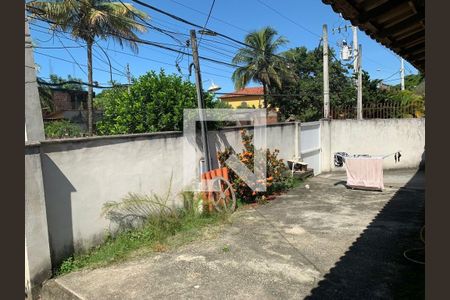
355 48
359 84
326 83
200 100
128 76
402 74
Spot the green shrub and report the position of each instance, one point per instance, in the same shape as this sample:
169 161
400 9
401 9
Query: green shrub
277 172
61 129
154 103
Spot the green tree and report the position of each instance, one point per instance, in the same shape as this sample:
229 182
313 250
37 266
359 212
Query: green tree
260 63
155 103
89 20
69 85
101 99
303 98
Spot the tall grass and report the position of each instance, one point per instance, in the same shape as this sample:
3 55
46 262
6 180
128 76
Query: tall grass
145 223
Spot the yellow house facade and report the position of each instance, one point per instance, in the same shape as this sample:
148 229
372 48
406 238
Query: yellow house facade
249 97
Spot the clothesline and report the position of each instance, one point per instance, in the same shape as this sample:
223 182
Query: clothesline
367 155
340 157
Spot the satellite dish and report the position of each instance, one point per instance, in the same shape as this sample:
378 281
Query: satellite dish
213 87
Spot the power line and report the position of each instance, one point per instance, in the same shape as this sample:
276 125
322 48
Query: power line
212 17
198 26
125 53
77 82
162 45
289 19
56 47
159 45
62 59
206 22
390 76
150 25
70 54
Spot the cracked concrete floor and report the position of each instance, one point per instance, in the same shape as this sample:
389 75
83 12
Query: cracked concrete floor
326 242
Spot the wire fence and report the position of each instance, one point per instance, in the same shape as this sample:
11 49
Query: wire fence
388 110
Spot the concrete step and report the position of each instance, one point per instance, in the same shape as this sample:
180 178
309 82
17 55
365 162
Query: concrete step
55 290
304 174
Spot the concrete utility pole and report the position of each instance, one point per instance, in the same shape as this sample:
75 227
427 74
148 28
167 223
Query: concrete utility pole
402 74
34 125
359 84
200 100
355 48
326 83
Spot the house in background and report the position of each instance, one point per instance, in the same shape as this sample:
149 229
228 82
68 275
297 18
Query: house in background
69 105
251 97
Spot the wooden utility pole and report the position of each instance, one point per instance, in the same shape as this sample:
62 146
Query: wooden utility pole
359 84
200 100
326 83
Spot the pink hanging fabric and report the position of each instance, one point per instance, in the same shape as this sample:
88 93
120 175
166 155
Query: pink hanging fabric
365 172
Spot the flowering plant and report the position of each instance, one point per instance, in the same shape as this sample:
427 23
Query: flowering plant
276 170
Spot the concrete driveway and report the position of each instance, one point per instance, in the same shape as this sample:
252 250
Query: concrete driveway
326 242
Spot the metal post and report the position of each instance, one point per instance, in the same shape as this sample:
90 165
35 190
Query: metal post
326 84
200 101
359 98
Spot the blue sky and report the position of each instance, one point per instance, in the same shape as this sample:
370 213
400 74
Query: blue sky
234 18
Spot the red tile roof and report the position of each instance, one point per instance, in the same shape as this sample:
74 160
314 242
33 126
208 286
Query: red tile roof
257 90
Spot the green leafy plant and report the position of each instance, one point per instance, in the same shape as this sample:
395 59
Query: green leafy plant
155 103
61 129
277 178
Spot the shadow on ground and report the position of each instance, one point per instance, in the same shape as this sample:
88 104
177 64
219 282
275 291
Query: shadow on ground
374 267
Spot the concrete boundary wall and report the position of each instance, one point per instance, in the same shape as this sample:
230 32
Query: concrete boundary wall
375 137
80 175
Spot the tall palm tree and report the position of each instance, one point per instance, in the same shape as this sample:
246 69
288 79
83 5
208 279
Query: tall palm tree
260 61
90 20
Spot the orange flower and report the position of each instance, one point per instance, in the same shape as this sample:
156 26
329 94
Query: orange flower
270 178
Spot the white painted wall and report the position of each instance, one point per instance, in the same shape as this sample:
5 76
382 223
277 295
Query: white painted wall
80 175
375 137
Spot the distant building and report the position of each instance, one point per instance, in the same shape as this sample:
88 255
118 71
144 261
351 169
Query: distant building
250 97
247 97
69 105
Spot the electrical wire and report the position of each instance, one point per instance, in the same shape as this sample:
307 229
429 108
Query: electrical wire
40 82
206 22
62 59
205 64
289 19
159 45
212 17
70 54
199 26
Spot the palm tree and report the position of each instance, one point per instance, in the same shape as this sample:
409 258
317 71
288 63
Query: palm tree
260 61
89 20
